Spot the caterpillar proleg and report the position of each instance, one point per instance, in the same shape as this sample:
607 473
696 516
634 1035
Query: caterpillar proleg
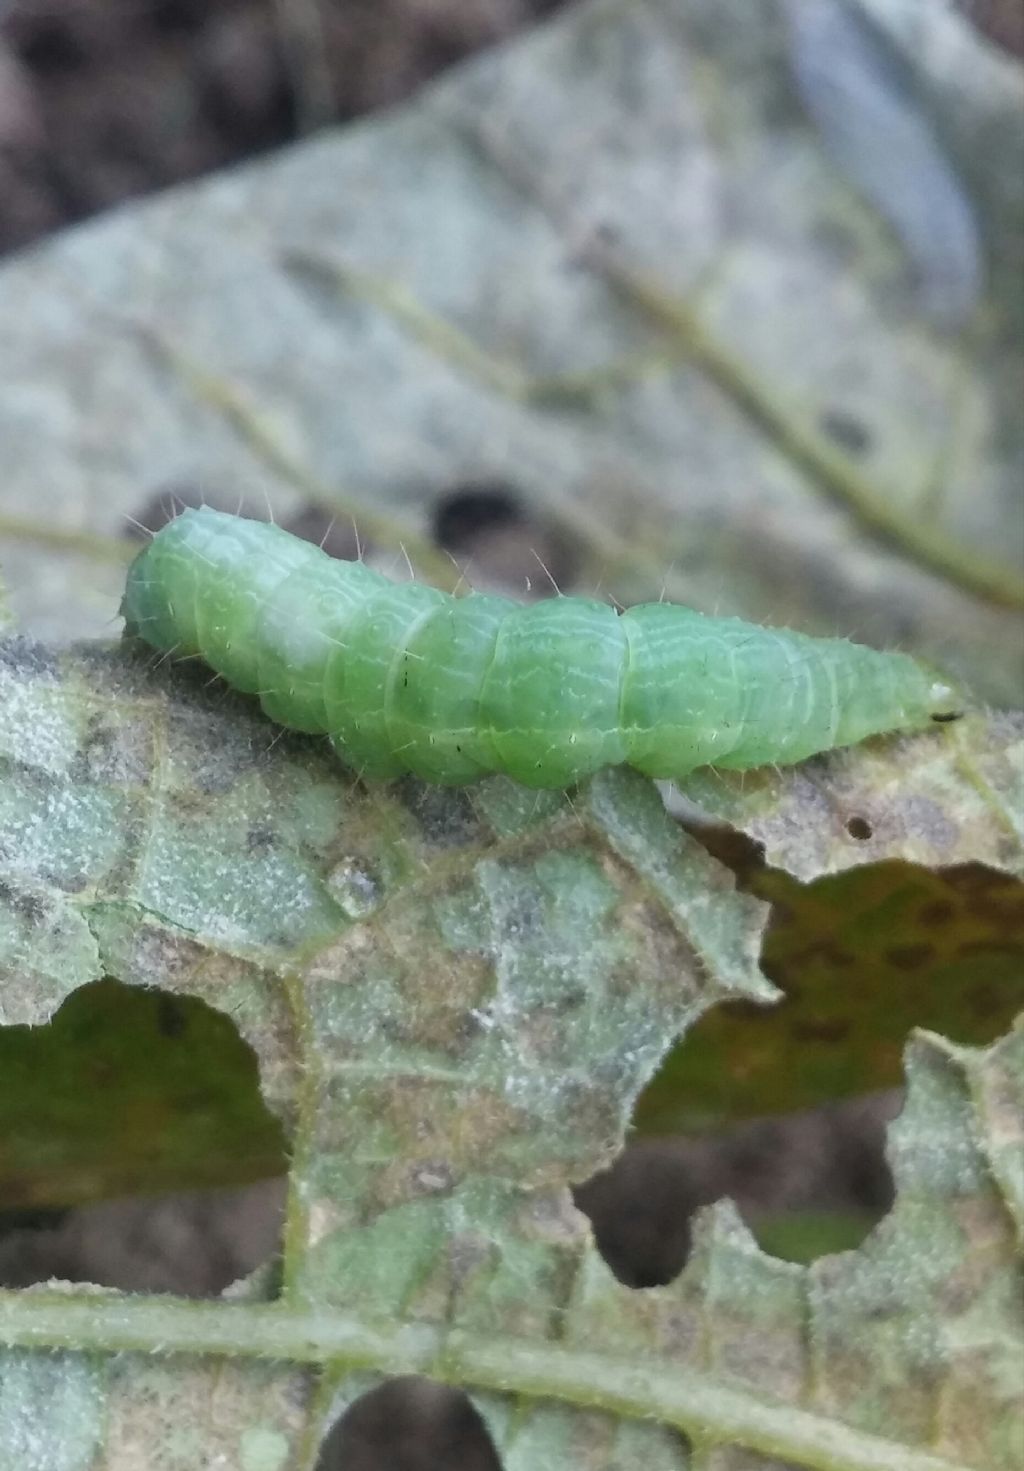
403 678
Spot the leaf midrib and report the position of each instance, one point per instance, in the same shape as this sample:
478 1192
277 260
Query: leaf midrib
706 1408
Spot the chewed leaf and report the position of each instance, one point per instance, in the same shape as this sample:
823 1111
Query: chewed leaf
611 268
455 998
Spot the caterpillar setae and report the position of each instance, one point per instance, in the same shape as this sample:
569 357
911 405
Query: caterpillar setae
404 678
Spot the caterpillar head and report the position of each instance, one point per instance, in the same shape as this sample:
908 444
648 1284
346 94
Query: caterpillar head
943 703
925 694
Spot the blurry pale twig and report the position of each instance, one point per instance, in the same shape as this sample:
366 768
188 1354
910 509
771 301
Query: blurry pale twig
65 539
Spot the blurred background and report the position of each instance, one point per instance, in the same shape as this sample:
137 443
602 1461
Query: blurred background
722 299
105 100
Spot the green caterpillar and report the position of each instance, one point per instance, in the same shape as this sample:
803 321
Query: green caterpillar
404 678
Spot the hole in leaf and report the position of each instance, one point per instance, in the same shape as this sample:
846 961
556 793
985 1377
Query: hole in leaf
784 1109
463 514
846 431
730 845
409 1424
336 535
133 1130
499 543
859 828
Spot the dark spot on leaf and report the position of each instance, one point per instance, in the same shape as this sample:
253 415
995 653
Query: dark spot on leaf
100 737
846 431
909 957
259 839
29 906
69 882
431 1177
859 828
879 1312
607 232
445 814
572 999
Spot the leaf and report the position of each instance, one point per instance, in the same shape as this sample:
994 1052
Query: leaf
572 267
193 845
934 802
472 988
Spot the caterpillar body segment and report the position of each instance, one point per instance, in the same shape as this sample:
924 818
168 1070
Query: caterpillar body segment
406 679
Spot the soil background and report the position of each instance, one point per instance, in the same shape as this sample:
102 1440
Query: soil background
105 100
